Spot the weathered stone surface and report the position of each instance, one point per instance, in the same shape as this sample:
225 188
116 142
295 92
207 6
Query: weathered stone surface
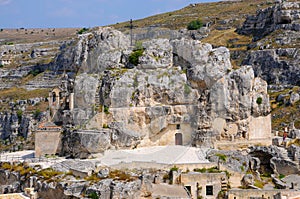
294 98
284 166
273 68
276 62
95 51
247 180
84 97
182 84
157 54
206 65
234 160
284 15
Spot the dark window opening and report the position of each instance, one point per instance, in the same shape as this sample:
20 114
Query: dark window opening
177 126
209 190
188 190
244 134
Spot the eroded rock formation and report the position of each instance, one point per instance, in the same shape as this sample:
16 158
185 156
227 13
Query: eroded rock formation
179 87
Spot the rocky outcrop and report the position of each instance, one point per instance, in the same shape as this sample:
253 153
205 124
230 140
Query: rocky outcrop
178 86
276 66
31 58
284 15
95 51
68 187
233 160
275 48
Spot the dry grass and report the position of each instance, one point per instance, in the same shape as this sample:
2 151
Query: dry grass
36 35
207 12
228 38
21 93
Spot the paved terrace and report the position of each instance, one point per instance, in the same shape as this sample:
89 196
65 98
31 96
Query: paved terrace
167 155
159 154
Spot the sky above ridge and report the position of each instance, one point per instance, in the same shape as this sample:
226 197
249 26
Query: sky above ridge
81 13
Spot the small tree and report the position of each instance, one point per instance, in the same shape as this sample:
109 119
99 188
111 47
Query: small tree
194 25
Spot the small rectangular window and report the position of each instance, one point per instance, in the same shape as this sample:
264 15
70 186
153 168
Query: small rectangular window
209 190
177 126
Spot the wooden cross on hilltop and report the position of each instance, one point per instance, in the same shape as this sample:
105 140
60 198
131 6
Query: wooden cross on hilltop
131 26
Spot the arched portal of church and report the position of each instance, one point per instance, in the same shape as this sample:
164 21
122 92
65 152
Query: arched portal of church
178 139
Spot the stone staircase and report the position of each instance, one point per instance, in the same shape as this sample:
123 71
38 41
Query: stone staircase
224 184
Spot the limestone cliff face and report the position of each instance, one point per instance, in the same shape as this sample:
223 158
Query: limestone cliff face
179 87
274 53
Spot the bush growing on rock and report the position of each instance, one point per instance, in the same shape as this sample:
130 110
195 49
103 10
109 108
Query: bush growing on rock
259 100
135 55
195 25
82 30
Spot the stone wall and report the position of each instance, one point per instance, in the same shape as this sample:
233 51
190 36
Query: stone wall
260 128
47 142
248 194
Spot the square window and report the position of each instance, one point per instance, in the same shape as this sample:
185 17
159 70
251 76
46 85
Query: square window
177 126
209 190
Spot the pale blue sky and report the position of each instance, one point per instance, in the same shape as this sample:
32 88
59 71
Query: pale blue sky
81 13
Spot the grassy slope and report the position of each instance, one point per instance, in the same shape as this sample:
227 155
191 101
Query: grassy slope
208 12
216 13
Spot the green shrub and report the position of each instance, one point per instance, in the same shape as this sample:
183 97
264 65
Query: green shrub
106 109
135 55
82 30
174 168
35 72
221 156
36 113
259 100
194 25
19 114
187 89
93 195
281 176
9 43
1 65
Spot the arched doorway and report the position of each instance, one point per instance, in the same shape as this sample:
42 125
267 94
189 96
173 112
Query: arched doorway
178 139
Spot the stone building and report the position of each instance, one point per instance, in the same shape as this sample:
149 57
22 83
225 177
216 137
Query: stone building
47 139
204 185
